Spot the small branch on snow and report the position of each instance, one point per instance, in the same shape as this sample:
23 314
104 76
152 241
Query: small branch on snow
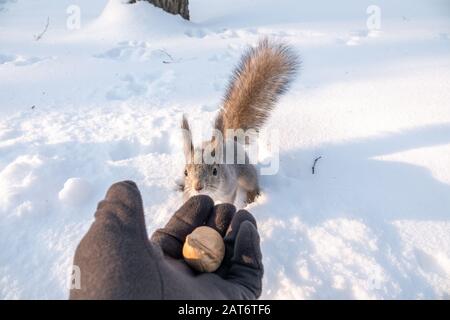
39 36
314 164
172 60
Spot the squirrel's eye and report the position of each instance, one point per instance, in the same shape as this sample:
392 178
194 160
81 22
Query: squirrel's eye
185 173
214 172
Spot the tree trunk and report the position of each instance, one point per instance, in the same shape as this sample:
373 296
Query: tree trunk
180 7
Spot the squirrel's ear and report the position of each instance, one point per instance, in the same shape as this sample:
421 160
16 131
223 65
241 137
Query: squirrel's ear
187 139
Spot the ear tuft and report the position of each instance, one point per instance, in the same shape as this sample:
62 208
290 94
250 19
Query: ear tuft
187 139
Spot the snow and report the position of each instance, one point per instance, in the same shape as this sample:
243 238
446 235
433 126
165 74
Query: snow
83 108
75 192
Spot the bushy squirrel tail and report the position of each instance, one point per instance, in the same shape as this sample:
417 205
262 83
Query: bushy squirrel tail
263 74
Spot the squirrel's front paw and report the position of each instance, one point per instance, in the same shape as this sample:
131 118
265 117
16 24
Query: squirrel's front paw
252 195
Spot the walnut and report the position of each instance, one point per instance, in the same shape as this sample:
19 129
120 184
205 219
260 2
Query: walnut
204 249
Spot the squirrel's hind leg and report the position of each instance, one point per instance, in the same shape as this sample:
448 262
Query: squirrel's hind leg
248 180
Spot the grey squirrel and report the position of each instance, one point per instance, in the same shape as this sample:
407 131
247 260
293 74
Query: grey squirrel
263 74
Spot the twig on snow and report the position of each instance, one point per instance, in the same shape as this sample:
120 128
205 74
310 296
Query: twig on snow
172 60
314 164
39 36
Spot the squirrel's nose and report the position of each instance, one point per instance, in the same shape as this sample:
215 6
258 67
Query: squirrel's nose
198 186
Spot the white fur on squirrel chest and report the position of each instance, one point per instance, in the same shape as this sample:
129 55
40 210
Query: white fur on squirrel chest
204 249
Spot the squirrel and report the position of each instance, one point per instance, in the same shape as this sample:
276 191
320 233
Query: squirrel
263 74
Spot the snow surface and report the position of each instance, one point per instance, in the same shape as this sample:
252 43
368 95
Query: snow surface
81 109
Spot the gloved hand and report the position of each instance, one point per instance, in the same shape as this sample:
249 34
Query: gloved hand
116 259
